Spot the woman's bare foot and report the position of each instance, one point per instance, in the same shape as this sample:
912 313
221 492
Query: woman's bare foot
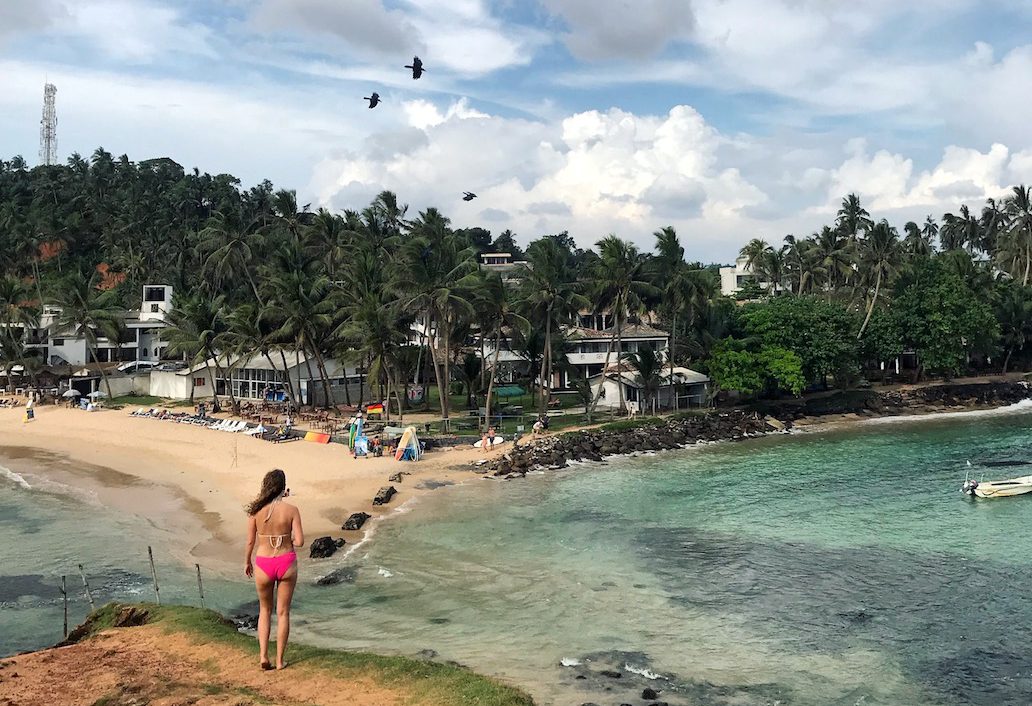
281 665
265 664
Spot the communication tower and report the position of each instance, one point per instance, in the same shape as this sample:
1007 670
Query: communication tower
48 127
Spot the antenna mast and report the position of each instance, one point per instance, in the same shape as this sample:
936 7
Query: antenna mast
48 127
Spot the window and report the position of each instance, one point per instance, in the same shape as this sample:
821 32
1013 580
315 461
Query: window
198 382
154 294
58 341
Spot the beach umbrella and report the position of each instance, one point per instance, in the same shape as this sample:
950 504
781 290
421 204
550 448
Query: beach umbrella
71 393
97 394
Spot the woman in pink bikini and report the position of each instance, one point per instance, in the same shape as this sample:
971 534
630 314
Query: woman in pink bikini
276 527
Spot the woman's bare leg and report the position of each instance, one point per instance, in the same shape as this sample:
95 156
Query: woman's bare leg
284 594
264 585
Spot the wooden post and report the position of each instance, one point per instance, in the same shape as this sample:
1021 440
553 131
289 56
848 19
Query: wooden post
86 587
154 575
64 594
200 586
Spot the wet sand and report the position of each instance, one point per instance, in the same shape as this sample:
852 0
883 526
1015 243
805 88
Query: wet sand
197 481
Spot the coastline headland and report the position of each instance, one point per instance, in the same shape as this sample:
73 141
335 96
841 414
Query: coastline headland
757 419
143 653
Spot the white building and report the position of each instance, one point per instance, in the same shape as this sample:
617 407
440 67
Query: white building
691 388
258 378
140 340
587 354
732 279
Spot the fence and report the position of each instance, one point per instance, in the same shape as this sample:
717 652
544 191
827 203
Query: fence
89 594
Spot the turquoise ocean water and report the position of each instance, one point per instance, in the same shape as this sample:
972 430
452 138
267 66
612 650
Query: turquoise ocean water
834 567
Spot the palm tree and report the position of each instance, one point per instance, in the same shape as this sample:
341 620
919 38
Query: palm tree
619 283
433 278
833 256
879 256
1014 312
671 277
916 245
550 295
960 231
1018 207
852 219
88 313
196 327
754 252
649 367
496 313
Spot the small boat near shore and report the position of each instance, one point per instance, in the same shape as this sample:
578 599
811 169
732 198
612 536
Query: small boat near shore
998 488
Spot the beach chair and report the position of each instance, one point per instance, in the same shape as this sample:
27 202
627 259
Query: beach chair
220 424
238 427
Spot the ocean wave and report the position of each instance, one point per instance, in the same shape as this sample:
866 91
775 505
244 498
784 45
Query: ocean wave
384 572
35 483
1017 408
642 671
16 478
570 662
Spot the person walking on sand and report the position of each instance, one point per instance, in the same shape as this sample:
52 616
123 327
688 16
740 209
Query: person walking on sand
275 527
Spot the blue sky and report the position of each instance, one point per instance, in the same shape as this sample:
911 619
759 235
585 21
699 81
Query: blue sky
729 119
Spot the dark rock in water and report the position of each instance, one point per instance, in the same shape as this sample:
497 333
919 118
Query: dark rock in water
384 495
649 694
245 622
435 484
1006 463
345 574
325 547
612 674
659 703
14 587
589 703
580 676
439 621
356 521
856 617
426 654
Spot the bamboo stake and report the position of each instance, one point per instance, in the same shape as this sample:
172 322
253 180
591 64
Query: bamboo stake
64 594
200 586
154 575
86 587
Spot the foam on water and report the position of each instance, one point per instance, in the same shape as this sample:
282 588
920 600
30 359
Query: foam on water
16 478
1020 407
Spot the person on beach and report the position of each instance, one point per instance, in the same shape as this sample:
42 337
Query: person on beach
275 527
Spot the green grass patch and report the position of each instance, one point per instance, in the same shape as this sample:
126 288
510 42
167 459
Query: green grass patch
426 682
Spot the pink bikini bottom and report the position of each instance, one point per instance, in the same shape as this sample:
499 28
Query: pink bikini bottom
276 567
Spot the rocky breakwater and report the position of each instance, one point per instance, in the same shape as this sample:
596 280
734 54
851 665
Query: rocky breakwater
924 399
595 444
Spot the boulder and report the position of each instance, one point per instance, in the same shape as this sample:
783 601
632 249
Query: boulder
325 547
384 495
649 694
395 478
356 521
612 674
345 574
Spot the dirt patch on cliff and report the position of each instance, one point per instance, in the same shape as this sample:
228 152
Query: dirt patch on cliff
152 666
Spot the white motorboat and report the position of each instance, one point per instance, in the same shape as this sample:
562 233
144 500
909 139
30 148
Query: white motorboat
998 488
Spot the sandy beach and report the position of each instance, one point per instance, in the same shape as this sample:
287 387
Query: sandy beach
196 481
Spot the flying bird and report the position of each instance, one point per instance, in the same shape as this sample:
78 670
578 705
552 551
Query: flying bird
374 100
416 66
468 196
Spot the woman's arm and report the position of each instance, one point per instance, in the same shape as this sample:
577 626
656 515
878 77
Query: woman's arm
297 534
251 530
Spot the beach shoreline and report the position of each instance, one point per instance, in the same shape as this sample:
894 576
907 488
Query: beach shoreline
194 482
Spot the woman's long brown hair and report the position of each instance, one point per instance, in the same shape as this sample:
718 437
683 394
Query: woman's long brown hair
273 485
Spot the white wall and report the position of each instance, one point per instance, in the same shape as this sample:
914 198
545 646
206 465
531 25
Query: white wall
73 351
169 384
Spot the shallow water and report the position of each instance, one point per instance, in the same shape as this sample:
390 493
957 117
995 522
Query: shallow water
48 528
822 568
839 567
